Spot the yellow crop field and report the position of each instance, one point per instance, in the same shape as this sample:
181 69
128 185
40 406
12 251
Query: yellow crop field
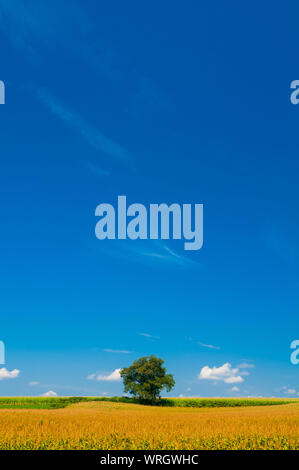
106 425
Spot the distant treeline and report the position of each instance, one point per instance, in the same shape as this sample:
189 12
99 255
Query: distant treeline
62 402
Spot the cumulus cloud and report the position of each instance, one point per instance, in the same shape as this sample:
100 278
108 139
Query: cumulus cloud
50 393
234 379
235 389
113 377
6 374
223 373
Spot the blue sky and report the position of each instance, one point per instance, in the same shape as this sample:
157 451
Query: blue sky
162 103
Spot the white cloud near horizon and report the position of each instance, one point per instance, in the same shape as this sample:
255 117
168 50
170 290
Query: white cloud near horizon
223 373
113 377
290 391
50 393
6 374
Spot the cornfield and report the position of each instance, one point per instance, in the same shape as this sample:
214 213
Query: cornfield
107 425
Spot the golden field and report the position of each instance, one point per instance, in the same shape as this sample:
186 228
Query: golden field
106 425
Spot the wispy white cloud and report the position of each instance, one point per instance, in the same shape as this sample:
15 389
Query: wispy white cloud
117 351
147 98
98 171
88 132
147 335
32 384
223 373
34 25
149 252
50 393
113 377
235 389
166 254
6 374
246 365
210 346
244 373
204 345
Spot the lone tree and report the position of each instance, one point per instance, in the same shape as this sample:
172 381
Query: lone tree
146 377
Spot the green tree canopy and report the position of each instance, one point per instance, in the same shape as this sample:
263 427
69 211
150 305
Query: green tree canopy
146 378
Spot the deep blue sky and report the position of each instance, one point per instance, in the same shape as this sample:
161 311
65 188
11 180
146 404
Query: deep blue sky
162 102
